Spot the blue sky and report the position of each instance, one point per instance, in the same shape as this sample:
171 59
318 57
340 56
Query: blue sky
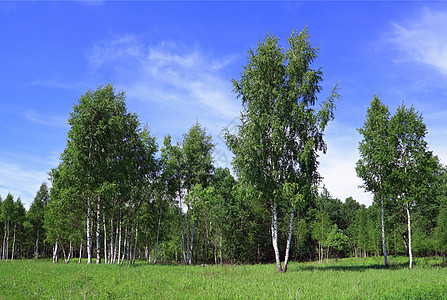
175 61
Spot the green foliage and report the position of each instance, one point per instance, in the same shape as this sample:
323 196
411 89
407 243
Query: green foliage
440 233
197 164
281 132
338 242
374 149
281 129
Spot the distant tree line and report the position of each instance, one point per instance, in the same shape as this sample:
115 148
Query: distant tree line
117 196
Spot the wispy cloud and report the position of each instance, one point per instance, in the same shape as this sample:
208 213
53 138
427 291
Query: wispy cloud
338 165
423 39
168 73
52 121
171 85
20 182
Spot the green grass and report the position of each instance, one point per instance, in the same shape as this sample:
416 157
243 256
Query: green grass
345 279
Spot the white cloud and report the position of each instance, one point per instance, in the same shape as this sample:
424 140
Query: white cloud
19 182
52 121
171 86
168 73
337 166
424 39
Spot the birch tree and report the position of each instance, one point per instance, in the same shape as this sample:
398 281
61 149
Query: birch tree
440 233
6 217
281 132
104 147
375 165
197 168
18 218
414 167
36 214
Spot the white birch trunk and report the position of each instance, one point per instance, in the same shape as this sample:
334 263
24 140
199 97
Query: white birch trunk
289 240
161 252
98 231
36 248
146 252
13 243
111 242
183 238
191 245
188 241
220 248
158 234
129 246
105 238
55 252
4 242
320 252
119 238
116 245
410 253
274 228
136 240
89 241
80 253
70 251
385 256
215 249
124 246
7 242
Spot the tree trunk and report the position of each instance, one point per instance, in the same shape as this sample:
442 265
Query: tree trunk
405 244
13 243
289 239
7 242
274 228
4 242
158 234
188 240
161 252
220 248
119 238
116 244
105 238
36 248
320 259
146 252
111 242
191 245
89 241
80 253
183 236
409 235
136 240
55 252
124 246
98 231
385 257
70 251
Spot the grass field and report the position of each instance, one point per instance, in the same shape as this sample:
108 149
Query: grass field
345 279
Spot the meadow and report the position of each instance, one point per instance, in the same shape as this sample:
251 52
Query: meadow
362 278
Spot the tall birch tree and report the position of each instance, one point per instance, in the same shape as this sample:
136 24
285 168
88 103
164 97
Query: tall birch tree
414 167
197 168
281 133
375 163
103 147
36 214
7 219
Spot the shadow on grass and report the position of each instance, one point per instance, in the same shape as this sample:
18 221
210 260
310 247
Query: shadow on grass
353 268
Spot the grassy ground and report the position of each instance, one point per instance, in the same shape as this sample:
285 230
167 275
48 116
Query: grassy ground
345 279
